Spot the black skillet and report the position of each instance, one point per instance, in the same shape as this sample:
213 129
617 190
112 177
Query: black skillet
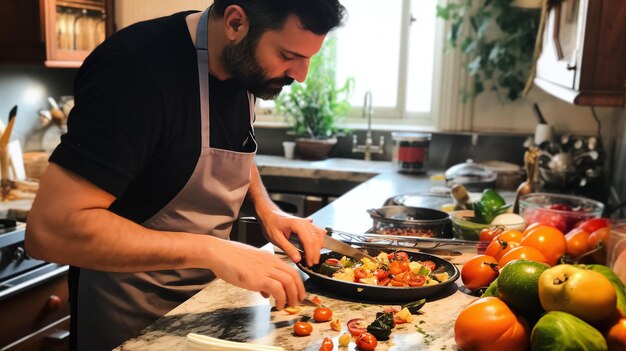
365 292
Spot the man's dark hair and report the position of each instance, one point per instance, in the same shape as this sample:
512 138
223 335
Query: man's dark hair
317 16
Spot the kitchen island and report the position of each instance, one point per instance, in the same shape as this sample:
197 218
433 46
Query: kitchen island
227 312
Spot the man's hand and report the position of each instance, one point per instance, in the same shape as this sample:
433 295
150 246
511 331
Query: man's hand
257 270
279 226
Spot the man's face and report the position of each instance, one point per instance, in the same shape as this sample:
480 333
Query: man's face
276 59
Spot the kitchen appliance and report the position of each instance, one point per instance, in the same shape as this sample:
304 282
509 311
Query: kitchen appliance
410 151
18 271
375 293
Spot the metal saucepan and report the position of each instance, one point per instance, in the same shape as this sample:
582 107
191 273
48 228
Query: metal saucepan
411 221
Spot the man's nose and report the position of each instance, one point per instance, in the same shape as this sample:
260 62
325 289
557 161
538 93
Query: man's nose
298 70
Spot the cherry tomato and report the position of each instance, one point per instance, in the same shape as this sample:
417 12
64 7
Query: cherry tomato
332 261
616 336
366 342
549 241
413 279
399 255
359 273
384 281
479 271
577 242
511 235
428 264
327 345
381 274
316 300
302 328
322 314
357 326
487 234
600 235
489 324
591 225
522 252
498 248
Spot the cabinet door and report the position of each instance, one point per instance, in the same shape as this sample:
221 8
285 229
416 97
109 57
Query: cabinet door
22 34
74 29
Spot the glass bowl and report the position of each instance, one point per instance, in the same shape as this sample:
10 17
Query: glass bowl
561 211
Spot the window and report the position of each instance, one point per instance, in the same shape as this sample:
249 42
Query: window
390 49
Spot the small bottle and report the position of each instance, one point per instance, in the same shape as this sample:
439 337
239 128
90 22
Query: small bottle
461 197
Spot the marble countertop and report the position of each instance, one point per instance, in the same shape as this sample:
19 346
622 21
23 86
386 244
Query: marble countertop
227 312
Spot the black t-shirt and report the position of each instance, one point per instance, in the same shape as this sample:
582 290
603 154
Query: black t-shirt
135 130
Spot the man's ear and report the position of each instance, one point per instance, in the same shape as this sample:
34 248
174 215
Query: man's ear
236 23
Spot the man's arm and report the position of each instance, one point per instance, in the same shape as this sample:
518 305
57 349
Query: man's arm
278 225
69 224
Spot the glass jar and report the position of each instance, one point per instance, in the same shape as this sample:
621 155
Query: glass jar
410 151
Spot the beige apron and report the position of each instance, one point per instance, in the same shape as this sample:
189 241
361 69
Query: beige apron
114 307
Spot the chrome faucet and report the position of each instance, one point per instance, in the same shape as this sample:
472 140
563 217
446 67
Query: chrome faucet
368 148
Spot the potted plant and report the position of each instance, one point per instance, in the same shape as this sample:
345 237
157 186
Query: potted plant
314 107
498 37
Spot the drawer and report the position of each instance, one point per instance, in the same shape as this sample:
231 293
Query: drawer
33 309
55 337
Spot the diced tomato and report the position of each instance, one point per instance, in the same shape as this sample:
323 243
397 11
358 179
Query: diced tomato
399 256
413 279
359 273
397 320
381 274
429 264
384 281
292 310
404 265
395 267
357 326
391 310
316 300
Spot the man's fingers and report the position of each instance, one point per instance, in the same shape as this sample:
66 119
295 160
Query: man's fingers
275 288
289 286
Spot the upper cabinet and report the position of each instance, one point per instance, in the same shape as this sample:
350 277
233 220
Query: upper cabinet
583 59
58 33
128 12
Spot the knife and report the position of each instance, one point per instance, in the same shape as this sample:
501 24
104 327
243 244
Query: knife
333 245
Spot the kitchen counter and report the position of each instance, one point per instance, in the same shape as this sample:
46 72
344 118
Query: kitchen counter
227 312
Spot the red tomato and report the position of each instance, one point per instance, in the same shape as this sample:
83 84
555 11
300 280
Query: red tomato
591 225
327 345
316 300
616 336
428 264
322 314
489 324
384 281
479 271
395 268
359 273
599 236
487 234
399 255
381 274
396 282
332 261
357 326
366 342
577 242
413 279
302 328
404 265
549 241
498 248
511 235
522 252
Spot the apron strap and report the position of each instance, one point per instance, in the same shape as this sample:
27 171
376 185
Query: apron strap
202 40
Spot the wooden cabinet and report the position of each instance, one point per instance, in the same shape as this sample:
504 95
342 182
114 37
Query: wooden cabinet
58 33
583 59
36 319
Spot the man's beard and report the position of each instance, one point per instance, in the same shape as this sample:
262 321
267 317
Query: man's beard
240 61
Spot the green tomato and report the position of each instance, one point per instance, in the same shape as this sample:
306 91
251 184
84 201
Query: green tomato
560 331
582 292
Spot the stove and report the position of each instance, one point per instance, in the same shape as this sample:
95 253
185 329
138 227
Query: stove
18 271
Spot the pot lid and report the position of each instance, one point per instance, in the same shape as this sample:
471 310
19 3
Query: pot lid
469 171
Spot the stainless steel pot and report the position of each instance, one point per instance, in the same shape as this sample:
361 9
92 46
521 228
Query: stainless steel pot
411 221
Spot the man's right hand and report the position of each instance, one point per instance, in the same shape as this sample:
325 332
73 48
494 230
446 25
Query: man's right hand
257 270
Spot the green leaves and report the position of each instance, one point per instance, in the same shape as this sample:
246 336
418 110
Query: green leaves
498 39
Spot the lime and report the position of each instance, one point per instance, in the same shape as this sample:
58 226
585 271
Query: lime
518 286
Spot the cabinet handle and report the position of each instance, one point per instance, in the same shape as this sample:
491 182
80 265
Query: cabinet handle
59 335
571 66
54 302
